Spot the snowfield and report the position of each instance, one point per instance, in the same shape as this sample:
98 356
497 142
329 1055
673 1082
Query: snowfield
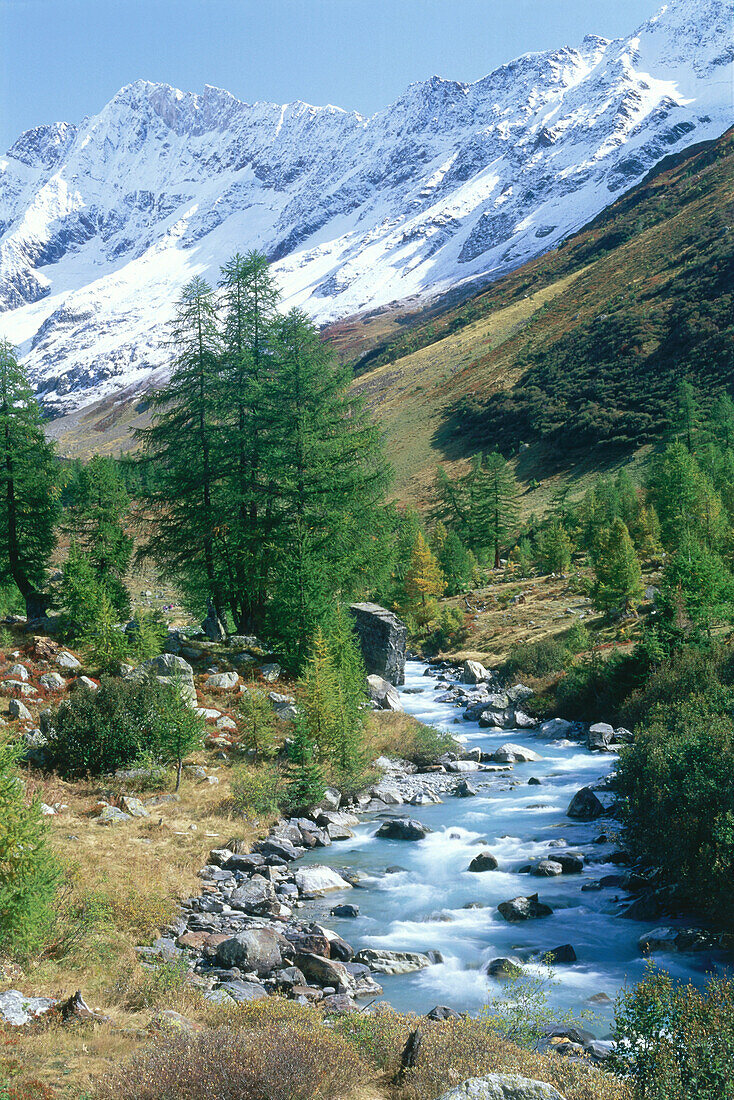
102 224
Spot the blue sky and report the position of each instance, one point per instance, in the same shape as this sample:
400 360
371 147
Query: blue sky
63 59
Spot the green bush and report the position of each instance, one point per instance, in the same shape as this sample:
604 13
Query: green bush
596 688
676 1042
257 789
677 785
542 658
29 873
96 732
422 745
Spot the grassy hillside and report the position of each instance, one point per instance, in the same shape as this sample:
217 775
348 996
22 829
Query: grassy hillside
575 356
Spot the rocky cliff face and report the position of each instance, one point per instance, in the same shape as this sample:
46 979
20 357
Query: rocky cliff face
101 225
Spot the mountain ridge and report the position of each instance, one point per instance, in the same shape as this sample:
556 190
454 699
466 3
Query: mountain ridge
454 183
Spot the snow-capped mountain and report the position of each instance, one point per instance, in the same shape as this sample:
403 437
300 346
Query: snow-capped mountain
102 224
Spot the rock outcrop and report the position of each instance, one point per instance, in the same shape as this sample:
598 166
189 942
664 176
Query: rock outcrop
382 636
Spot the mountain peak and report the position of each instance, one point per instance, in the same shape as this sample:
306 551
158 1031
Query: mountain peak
454 184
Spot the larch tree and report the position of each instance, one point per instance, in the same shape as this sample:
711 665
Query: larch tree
327 478
29 500
249 302
188 529
425 579
618 574
97 514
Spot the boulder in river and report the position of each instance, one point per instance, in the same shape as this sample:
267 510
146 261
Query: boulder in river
547 868
485 861
382 637
464 789
523 908
403 828
393 962
585 805
319 880
504 968
510 753
563 954
600 735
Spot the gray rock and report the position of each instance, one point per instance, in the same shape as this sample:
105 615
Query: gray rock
585 805
475 673
502 1086
17 1009
484 861
600 735
52 681
510 753
256 950
19 711
256 895
270 673
400 828
557 729
523 908
113 815
563 954
133 806
504 968
443 1012
547 868
383 694
324 972
223 681
382 637
243 992
64 659
464 789
345 911
318 880
393 962
170 669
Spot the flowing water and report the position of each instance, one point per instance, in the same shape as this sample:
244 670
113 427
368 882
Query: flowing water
422 906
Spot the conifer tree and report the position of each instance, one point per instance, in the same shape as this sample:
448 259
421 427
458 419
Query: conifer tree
722 421
458 564
351 697
187 528
319 687
684 499
618 573
424 578
554 549
306 784
257 724
481 505
249 301
97 511
327 479
697 591
687 419
28 487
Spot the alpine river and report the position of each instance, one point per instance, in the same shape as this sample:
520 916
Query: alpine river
429 901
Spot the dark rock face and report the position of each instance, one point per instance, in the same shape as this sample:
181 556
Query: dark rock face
485 861
382 637
563 954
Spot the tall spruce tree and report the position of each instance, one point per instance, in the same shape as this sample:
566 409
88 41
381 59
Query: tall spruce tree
184 442
29 502
351 696
327 478
97 513
249 302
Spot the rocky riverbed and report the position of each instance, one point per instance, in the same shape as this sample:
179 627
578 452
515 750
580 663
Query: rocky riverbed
434 888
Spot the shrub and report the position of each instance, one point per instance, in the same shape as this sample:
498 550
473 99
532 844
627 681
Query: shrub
29 873
677 1042
578 638
542 658
257 789
282 1062
595 688
422 745
99 731
677 783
